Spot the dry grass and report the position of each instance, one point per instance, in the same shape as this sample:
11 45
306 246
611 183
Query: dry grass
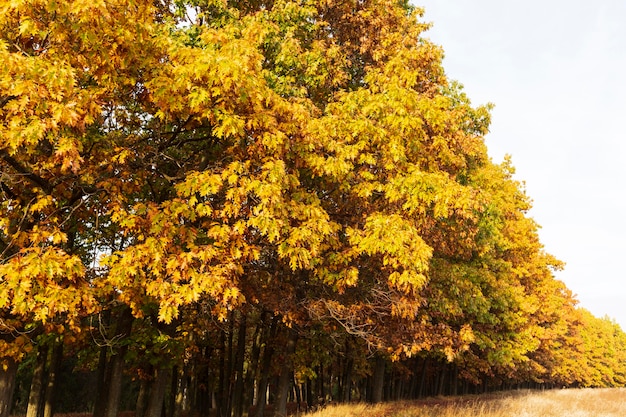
556 403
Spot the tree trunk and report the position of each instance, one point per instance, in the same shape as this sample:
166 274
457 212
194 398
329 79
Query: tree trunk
455 380
114 384
102 388
142 398
423 379
35 397
8 370
253 368
157 393
228 382
441 380
179 388
378 380
268 352
286 373
321 392
222 395
309 393
347 375
239 362
53 377
116 366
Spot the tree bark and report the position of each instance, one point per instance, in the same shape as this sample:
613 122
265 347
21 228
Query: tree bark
102 392
35 397
179 388
224 374
286 373
157 393
113 383
142 398
268 352
116 364
346 383
8 370
237 397
378 380
52 382
423 379
102 388
253 368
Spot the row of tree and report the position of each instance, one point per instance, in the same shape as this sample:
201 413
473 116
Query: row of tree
211 205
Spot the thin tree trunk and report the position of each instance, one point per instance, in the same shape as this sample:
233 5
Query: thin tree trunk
53 377
114 384
378 380
102 389
347 375
286 373
228 381
253 368
116 366
268 352
179 389
321 384
35 397
8 370
239 362
455 380
442 379
423 379
157 393
223 376
142 398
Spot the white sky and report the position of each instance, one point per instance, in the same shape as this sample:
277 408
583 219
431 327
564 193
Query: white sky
556 71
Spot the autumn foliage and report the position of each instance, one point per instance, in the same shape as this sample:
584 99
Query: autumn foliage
211 197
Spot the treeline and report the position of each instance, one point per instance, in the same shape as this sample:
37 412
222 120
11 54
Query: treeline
251 359
213 205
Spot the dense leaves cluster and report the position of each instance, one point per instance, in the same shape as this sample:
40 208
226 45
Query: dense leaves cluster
214 196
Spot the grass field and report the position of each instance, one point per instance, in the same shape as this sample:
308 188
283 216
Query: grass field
555 403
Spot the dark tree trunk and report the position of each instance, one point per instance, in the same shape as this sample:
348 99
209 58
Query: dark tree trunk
239 362
142 398
222 394
268 352
286 373
454 390
378 380
35 397
179 388
228 381
309 394
253 369
321 393
441 379
420 394
201 383
115 368
114 384
53 378
158 391
102 389
8 370
347 375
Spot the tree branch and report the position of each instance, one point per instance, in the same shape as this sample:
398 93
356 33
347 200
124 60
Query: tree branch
22 170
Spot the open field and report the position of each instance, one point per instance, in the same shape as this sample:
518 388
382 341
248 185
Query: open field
555 403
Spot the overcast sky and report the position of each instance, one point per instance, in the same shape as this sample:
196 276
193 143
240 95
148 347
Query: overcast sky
556 72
